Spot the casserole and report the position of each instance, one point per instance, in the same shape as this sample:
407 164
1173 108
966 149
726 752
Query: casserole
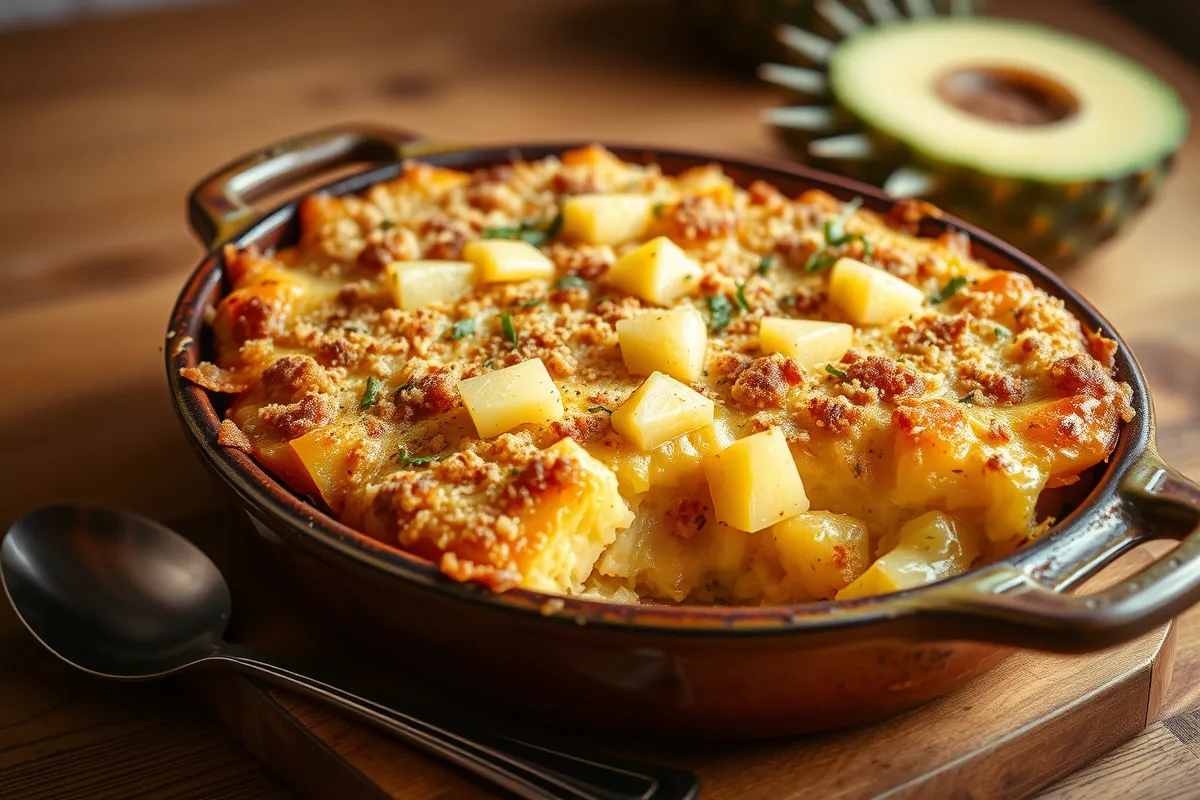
709 671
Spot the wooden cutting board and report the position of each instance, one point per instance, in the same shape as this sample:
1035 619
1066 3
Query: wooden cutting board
1028 722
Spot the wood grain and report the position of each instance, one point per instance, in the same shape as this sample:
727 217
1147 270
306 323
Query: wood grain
108 123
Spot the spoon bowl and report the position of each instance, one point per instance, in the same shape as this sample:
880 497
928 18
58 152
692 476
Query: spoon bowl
113 593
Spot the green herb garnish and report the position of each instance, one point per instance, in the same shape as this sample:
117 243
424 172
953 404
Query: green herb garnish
502 232
719 312
658 209
741 297
570 282
510 332
1001 332
464 327
819 260
387 225
835 229
835 234
765 263
949 290
598 409
968 398
832 370
414 461
530 232
532 303
371 394
354 326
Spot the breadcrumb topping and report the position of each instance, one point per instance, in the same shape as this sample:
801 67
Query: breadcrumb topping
973 405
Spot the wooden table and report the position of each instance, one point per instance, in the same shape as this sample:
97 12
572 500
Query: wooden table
108 122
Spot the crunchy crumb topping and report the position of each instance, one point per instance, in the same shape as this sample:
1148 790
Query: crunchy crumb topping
974 404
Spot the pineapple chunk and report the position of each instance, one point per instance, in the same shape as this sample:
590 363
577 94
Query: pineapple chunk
807 342
825 551
416 284
605 218
658 272
754 482
504 260
674 342
500 401
659 410
332 454
871 296
930 548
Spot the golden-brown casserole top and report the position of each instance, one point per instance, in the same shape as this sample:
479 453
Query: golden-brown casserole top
582 376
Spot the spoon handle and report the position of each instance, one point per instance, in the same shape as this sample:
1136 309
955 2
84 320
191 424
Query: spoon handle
528 770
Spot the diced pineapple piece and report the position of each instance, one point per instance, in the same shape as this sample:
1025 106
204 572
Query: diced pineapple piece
500 401
674 342
327 455
507 260
658 272
605 218
659 410
825 551
680 461
754 482
416 284
807 342
871 296
930 548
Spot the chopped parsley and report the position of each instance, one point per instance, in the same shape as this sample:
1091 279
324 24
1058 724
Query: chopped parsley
949 290
502 232
819 260
835 229
414 461
765 264
598 409
1001 332
659 208
530 232
968 398
570 282
832 370
370 394
720 311
741 297
464 327
387 225
510 332
835 234
532 303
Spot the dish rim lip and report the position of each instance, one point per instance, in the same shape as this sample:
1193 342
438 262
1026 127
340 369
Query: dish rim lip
272 503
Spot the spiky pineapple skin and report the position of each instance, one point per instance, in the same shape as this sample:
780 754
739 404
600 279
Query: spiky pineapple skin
744 30
1058 223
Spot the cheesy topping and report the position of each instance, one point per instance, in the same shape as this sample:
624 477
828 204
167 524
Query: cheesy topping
903 412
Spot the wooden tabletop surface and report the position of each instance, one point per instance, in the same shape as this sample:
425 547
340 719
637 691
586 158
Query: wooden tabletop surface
108 122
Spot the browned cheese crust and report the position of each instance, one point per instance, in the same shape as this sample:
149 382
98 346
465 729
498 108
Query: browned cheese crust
974 406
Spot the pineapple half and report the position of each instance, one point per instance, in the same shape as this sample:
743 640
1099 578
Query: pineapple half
1051 142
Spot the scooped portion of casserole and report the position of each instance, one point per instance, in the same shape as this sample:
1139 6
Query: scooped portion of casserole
583 376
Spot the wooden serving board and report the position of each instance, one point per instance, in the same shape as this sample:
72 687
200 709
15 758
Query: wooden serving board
1017 729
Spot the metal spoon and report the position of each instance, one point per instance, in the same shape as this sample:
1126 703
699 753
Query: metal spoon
121 596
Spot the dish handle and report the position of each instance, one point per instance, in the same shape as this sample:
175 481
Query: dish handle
1025 605
219 206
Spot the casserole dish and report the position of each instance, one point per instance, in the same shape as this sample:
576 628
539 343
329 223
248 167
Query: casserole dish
688 670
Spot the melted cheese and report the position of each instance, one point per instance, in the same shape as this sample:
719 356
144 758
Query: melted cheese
970 405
